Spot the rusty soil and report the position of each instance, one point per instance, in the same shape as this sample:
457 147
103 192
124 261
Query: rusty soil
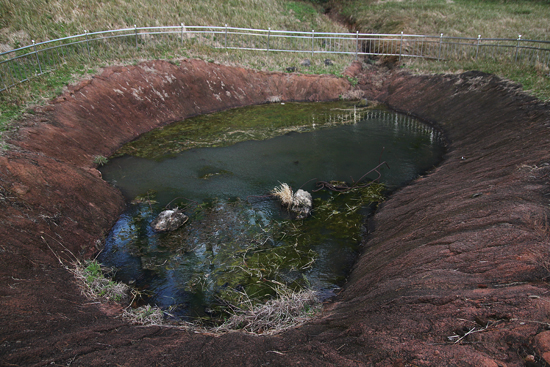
454 272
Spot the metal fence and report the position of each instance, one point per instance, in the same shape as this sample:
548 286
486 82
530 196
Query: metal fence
19 65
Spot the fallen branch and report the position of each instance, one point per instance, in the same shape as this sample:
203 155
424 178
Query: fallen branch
344 187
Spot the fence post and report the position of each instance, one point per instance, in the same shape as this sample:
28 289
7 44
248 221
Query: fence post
440 41
517 47
356 44
312 37
400 46
37 59
87 43
225 41
182 27
136 37
478 42
268 36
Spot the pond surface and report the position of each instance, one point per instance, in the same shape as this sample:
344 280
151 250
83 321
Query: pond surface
239 243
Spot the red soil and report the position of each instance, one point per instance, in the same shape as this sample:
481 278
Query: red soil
464 248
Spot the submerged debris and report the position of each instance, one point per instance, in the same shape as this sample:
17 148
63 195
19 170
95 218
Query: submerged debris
300 202
169 220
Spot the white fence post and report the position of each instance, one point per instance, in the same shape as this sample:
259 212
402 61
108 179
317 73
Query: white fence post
400 46
440 41
312 38
517 47
182 28
478 42
356 44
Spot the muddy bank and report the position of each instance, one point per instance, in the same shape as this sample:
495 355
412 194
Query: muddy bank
459 251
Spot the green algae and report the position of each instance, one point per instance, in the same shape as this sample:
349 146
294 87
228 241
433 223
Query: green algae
232 126
232 252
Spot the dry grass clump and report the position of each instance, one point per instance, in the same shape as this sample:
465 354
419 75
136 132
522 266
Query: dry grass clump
145 315
283 192
288 310
96 286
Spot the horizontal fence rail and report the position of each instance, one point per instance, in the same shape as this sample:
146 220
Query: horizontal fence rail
19 65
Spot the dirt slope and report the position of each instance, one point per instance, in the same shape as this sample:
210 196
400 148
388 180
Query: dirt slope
461 250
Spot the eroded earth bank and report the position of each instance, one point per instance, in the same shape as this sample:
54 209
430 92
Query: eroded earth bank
463 251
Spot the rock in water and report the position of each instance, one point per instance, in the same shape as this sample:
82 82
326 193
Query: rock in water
169 220
301 204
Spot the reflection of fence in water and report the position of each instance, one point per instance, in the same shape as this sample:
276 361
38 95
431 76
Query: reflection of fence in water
406 124
397 122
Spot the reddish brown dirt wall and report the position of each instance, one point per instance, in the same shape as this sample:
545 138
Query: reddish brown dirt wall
460 250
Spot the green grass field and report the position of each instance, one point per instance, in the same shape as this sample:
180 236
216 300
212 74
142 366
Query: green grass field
460 18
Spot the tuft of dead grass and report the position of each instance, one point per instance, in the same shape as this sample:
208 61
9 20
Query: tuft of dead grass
144 315
283 192
289 309
94 285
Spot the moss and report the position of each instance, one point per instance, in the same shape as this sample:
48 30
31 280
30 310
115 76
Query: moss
233 126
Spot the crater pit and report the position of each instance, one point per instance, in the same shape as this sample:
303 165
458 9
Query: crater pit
454 270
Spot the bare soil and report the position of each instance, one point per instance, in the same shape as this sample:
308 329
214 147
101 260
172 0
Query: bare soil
453 273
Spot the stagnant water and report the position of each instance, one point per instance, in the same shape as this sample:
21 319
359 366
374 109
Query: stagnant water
239 241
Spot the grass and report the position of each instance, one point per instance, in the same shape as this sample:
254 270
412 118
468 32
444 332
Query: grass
95 285
284 193
100 160
90 275
460 18
534 79
465 18
289 309
24 20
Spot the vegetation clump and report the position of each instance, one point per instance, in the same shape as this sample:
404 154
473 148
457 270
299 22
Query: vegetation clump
289 309
284 193
96 286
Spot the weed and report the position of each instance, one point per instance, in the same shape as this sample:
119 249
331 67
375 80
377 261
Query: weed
96 286
353 81
100 160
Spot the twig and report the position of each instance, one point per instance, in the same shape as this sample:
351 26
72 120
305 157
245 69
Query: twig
180 197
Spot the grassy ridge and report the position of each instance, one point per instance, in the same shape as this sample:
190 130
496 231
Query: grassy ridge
465 18
24 20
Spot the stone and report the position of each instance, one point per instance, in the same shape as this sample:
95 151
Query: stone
169 220
301 204
328 62
306 62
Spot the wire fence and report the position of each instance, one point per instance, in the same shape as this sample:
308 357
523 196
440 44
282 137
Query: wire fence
20 65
